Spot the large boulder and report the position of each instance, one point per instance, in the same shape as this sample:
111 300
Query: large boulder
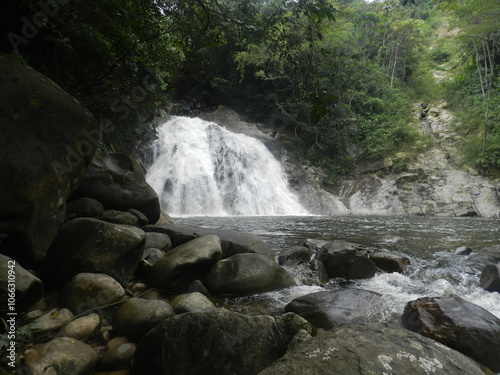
477 261
329 309
247 274
389 261
490 278
372 349
47 140
185 263
216 342
458 324
118 182
91 245
232 242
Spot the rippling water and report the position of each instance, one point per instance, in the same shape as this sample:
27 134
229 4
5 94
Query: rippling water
428 242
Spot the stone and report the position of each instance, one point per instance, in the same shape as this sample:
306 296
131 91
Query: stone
462 250
294 256
52 319
158 241
149 258
482 258
490 278
87 291
141 218
232 242
120 217
330 309
458 324
186 262
389 262
48 138
17 283
95 246
137 316
119 357
81 328
61 356
372 349
216 342
84 207
118 182
244 274
192 302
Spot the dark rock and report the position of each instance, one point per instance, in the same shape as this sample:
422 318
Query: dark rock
51 320
232 242
389 262
47 140
482 258
91 245
81 328
247 274
120 217
462 250
117 358
490 278
137 316
458 324
216 342
84 207
141 218
192 302
118 182
185 263
372 349
149 258
314 245
294 256
329 309
158 241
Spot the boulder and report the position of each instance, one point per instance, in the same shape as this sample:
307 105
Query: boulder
87 291
192 302
462 250
118 182
185 263
141 218
61 356
84 207
247 274
48 138
372 349
482 258
490 278
120 217
81 328
52 319
389 262
458 324
91 245
117 358
294 256
137 316
149 258
158 241
216 342
346 260
232 242
329 309
19 284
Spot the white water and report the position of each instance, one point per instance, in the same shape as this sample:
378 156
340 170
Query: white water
203 169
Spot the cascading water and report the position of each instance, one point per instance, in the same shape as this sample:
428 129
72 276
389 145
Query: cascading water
203 169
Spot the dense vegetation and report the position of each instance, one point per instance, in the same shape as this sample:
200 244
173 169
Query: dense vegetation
336 78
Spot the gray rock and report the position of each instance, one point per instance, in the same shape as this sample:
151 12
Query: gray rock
247 274
118 182
149 258
91 245
141 218
186 262
25 288
294 256
462 250
329 309
87 291
61 356
389 262
216 342
482 258
52 319
372 349
490 278
81 328
120 217
232 242
192 302
458 324
158 241
118 358
137 316
48 138
84 207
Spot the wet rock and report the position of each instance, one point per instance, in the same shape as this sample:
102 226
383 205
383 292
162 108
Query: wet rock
329 309
86 291
48 138
91 245
294 256
346 260
192 302
482 258
389 262
19 284
81 328
141 218
186 262
137 316
118 182
247 274
458 324
462 250
61 356
490 278
314 245
84 207
158 241
372 349
119 357
149 258
232 242
52 319
216 342
120 217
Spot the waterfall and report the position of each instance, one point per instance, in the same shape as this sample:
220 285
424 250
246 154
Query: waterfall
203 169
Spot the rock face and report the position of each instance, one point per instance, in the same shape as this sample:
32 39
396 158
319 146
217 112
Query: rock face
216 342
47 140
372 349
247 274
457 324
118 182
329 309
91 245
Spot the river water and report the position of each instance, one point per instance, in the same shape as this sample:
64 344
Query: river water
429 242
